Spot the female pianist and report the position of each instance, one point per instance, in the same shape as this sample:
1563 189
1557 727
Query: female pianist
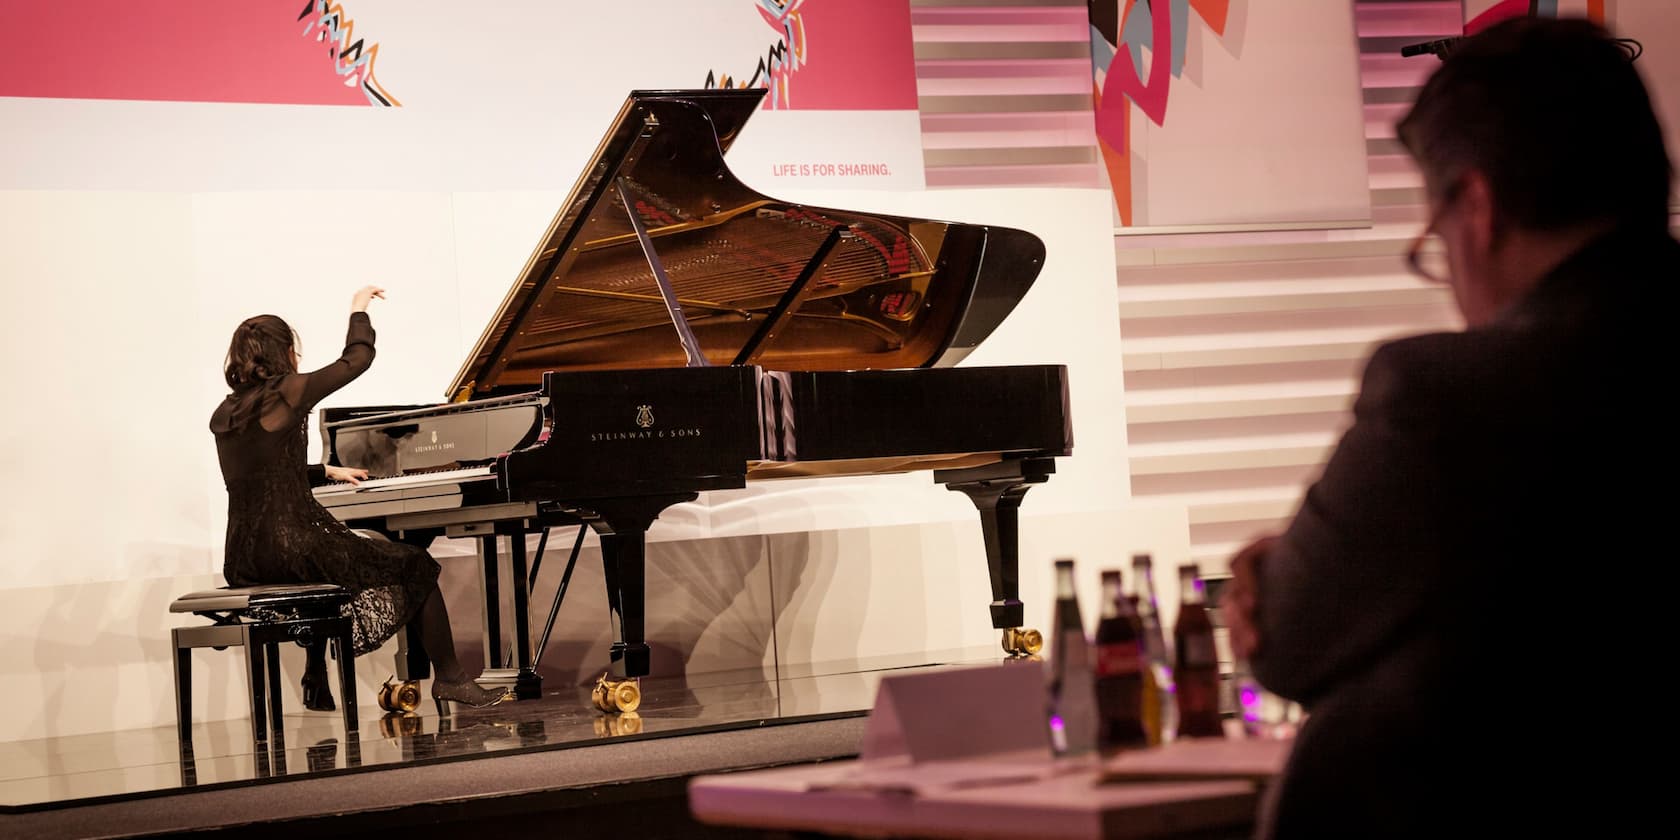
276 531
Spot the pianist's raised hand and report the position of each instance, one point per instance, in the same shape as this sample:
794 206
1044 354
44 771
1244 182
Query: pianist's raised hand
278 533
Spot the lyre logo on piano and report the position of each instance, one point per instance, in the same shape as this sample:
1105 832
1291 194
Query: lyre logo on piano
434 446
644 416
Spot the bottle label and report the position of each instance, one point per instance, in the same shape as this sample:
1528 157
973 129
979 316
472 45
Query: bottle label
1114 660
1197 650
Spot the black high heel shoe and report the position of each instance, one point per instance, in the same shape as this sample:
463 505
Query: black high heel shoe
467 693
317 695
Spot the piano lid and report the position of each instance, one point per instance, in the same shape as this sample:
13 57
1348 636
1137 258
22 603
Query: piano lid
884 292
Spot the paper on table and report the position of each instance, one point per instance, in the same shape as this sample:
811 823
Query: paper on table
896 777
1257 759
959 714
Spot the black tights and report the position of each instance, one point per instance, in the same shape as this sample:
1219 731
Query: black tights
433 621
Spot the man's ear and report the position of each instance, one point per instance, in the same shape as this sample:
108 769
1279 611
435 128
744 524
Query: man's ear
1477 210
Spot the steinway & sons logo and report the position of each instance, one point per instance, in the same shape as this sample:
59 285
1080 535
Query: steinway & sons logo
645 430
434 446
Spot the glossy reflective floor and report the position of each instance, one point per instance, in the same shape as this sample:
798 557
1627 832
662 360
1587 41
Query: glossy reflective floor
55 772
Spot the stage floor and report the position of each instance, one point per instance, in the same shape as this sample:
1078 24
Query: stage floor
82 770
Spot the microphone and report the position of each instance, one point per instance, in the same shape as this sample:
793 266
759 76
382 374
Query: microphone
1438 47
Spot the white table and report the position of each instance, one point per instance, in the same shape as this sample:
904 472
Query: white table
1190 790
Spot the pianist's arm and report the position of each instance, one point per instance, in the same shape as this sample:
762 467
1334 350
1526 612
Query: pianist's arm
311 387
304 390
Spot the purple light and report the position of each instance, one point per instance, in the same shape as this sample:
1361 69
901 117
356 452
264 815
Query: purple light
1056 722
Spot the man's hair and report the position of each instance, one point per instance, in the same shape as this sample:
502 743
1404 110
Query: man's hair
1554 114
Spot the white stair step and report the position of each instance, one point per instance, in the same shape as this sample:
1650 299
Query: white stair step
1170 359
1211 409
1282 302
1261 458
1061 175
1424 19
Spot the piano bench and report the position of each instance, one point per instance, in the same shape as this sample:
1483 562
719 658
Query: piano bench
258 619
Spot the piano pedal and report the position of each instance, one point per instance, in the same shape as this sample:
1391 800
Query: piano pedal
616 696
1019 641
399 697
612 726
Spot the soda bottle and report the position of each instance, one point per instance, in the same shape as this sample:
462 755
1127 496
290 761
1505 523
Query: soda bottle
1120 669
1196 661
1159 712
1073 698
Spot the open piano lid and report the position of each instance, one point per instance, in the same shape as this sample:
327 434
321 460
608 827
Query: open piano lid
893 292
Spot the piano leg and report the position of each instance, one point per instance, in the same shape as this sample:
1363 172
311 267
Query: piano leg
996 491
622 524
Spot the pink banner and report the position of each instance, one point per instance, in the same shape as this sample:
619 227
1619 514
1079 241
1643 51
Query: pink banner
829 55
272 51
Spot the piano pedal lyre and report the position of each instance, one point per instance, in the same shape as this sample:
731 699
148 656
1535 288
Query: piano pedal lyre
616 696
1022 641
399 697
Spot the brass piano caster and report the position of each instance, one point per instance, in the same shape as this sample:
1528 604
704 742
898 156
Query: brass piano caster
1018 641
616 695
612 726
399 697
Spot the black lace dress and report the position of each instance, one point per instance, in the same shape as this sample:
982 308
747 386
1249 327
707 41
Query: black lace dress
277 533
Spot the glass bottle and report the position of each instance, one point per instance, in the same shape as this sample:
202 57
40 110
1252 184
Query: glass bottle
1196 660
1159 711
1072 689
1120 669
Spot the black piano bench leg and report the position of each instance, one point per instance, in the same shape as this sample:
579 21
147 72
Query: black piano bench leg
996 491
183 692
342 641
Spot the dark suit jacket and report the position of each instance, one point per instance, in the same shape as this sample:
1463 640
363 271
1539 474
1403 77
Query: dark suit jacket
1467 601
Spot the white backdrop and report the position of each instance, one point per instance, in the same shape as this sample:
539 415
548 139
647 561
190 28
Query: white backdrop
120 305
135 235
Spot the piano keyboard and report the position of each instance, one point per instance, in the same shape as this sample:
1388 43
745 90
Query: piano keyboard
398 482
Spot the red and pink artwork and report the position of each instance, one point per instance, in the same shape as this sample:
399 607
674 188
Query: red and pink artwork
1121 31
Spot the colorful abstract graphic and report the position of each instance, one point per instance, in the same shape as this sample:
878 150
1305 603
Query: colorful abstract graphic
1123 30
781 60
256 51
352 59
832 55
1518 8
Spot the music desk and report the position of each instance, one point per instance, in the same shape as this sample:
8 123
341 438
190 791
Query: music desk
1197 790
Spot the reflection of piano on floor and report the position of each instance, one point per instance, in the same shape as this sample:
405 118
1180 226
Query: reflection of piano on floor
711 337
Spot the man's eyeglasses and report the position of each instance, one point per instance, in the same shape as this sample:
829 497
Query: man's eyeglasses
1427 257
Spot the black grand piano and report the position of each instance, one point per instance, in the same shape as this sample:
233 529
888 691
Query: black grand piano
675 332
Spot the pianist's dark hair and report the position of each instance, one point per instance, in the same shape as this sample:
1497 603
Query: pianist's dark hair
261 353
261 350
1554 114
